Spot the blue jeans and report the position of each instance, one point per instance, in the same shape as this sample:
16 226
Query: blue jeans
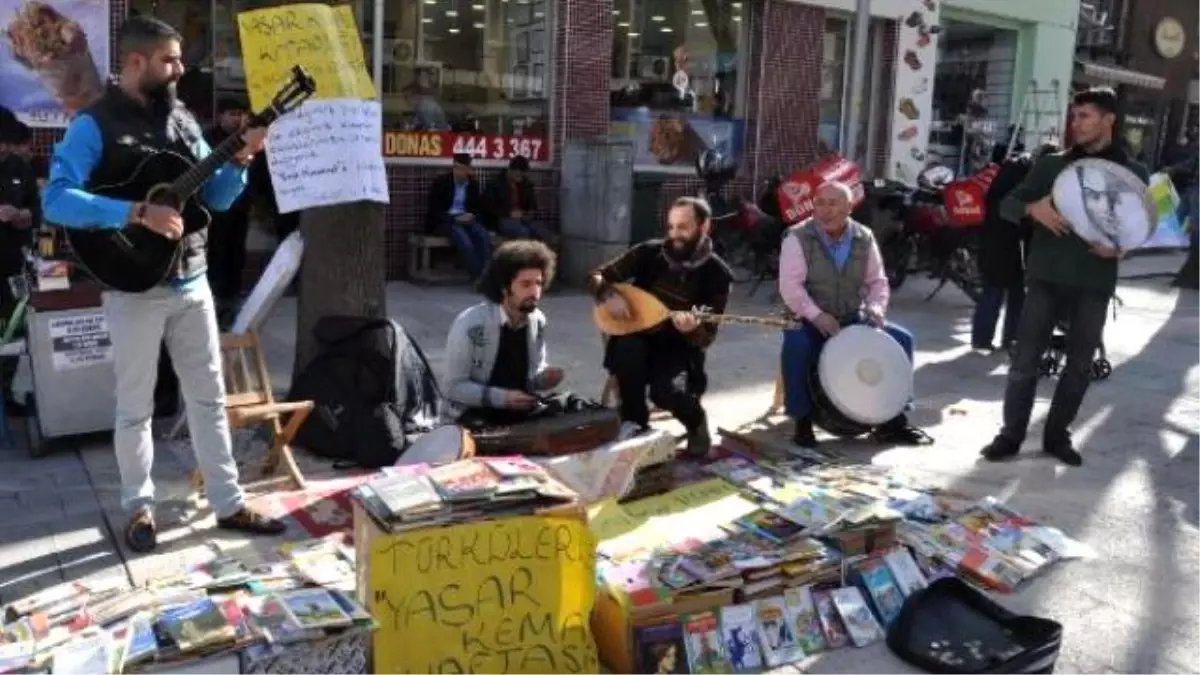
520 229
472 242
800 347
987 313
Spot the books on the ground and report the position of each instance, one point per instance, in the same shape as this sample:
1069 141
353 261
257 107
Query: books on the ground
140 644
879 586
705 649
860 622
740 629
803 610
832 626
464 480
660 649
904 570
516 466
350 606
314 608
196 625
407 496
778 634
86 654
770 524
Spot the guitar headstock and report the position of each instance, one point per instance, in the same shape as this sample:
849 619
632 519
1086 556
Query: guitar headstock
298 89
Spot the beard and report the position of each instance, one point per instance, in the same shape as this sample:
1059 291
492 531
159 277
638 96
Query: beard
682 250
527 306
160 95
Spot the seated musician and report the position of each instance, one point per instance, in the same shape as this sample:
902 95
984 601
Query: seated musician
496 350
830 273
683 272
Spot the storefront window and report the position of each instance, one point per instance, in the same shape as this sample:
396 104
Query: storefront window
833 83
466 76
675 90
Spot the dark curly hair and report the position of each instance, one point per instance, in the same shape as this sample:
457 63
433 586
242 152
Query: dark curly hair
507 262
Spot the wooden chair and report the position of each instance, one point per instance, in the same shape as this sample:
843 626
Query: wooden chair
250 402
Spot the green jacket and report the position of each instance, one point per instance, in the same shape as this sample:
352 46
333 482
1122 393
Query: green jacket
1065 260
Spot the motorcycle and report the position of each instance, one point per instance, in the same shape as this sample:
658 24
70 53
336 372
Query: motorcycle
743 233
915 234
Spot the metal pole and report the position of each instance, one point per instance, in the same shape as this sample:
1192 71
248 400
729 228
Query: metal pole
858 77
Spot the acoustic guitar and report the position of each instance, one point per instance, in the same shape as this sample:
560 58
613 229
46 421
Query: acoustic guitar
135 259
647 311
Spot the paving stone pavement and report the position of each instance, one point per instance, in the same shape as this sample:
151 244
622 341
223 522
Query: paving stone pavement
1136 500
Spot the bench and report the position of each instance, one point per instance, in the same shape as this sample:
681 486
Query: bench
421 249
250 402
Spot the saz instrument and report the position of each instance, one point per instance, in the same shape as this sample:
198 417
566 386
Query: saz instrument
647 311
135 259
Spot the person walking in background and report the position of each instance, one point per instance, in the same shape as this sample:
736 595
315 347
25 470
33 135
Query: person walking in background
1184 176
454 210
20 217
227 235
1001 254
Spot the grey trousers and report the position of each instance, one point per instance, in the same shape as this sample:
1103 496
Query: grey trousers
186 319
1085 313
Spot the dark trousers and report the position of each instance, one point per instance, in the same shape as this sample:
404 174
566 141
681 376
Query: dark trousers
801 346
471 241
668 366
987 314
227 251
1085 313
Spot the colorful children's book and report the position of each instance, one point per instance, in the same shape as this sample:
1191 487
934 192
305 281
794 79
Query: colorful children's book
904 571
196 625
739 626
660 649
803 610
464 480
771 525
877 583
705 649
777 633
832 626
860 622
315 608
140 645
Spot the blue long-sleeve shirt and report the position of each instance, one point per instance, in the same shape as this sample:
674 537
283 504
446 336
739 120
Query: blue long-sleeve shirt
66 202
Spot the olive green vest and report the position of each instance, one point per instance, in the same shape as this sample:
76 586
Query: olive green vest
836 292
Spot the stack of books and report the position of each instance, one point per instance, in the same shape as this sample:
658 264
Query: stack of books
408 497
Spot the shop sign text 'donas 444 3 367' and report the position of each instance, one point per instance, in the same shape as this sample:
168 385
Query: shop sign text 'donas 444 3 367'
446 144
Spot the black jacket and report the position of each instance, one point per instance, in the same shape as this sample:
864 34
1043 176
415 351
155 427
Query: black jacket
498 202
19 188
441 197
1000 259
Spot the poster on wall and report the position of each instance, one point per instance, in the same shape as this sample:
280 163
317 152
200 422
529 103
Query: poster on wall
665 139
54 57
80 341
912 106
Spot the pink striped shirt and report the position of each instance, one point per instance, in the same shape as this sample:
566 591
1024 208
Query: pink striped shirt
793 272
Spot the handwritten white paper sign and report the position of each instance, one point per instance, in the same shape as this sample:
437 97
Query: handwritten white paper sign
327 152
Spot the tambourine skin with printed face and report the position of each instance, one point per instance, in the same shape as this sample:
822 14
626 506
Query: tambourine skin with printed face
1105 203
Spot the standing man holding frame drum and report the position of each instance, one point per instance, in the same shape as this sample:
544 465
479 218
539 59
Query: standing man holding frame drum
1070 279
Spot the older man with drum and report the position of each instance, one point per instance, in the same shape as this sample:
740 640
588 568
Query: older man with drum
831 276
1070 280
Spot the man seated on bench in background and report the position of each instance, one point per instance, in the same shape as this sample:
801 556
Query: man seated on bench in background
510 203
455 210
496 350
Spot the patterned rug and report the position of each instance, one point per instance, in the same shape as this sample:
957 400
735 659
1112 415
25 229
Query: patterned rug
321 510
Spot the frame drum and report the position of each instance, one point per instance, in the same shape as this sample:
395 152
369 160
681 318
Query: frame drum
862 378
1105 203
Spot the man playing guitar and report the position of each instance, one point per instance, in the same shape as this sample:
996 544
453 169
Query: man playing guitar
104 145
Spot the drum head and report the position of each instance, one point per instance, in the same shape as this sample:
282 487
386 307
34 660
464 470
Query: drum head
865 374
1105 203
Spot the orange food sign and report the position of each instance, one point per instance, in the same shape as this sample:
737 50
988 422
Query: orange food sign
446 144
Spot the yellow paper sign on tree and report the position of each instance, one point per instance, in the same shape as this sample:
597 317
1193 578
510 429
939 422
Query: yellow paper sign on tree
505 596
323 40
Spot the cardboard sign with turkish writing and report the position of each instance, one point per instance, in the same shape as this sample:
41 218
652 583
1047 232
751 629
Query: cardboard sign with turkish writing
446 144
796 192
505 596
965 199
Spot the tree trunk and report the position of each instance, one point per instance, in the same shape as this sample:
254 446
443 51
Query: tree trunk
343 269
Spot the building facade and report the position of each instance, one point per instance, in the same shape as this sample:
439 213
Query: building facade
764 80
1148 51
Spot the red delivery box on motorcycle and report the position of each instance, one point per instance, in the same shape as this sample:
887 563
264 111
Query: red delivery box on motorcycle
795 193
966 199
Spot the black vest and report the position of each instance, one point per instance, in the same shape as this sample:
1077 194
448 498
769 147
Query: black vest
130 133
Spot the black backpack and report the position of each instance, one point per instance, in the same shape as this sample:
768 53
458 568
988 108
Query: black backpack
372 388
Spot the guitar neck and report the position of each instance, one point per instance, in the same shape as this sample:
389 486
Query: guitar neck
772 322
187 184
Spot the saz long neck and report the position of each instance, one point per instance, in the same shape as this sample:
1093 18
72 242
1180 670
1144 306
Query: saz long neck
187 184
746 320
